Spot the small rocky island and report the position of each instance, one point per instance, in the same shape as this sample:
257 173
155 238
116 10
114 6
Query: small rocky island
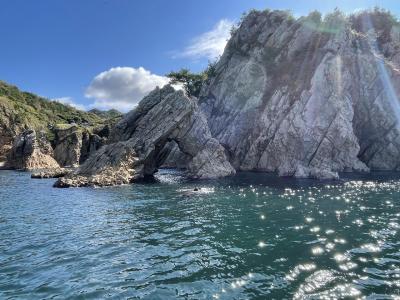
308 97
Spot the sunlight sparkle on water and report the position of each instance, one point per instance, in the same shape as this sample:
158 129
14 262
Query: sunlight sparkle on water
262 244
340 257
171 232
317 250
315 229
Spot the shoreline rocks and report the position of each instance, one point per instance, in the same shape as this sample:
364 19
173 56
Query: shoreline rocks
73 144
50 173
164 115
306 98
30 153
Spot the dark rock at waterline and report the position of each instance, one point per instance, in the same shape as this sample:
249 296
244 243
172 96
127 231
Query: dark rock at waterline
164 115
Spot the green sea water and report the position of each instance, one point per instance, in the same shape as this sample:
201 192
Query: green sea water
253 236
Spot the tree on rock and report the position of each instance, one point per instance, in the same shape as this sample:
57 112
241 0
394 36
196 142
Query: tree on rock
192 82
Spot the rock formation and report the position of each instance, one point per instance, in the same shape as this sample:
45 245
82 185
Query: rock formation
68 146
5 148
308 97
92 141
31 153
74 144
173 158
64 127
136 142
51 173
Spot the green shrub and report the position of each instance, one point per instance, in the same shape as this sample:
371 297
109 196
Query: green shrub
26 110
193 82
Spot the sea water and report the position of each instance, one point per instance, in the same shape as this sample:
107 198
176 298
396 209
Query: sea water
252 236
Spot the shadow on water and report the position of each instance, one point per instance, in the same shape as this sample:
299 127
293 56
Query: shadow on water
250 236
264 179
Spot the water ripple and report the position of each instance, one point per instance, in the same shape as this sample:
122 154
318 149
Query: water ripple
253 236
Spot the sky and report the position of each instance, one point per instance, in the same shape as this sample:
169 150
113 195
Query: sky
110 53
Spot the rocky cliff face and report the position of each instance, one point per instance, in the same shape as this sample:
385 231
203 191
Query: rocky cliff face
68 143
138 140
31 152
308 97
73 133
73 144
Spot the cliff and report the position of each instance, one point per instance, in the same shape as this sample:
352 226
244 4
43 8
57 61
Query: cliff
137 142
27 116
308 97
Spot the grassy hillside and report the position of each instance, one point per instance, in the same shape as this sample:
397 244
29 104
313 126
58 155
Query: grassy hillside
20 110
106 114
28 110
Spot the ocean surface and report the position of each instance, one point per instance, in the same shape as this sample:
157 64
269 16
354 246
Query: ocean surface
253 236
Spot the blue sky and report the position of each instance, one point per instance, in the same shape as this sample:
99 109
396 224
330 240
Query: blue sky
108 53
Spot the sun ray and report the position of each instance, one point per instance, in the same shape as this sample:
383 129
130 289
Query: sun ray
371 36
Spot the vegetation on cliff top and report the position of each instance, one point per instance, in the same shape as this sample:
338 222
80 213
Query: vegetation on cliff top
106 114
193 82
20 110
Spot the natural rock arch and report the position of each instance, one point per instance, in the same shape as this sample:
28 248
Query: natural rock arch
138 139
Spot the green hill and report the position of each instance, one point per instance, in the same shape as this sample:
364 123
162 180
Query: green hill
106 114
25 110
22 110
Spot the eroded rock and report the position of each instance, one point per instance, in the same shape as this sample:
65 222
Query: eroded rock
74 144
30 153
306 97
164 115
68 143
50 173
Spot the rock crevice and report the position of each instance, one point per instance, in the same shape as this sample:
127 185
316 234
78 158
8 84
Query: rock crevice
304 97
163 116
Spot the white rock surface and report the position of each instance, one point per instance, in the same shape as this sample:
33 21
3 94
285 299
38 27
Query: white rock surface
29 152
164 115
307 98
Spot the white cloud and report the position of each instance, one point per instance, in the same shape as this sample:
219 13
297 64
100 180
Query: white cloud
122 87
210 44
69 101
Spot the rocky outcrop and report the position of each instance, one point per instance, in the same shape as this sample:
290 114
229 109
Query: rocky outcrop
5 148
68 143
137 140
91 142
74 144
308 97
115 164
29 152
173 157
51 173
20 111
8 130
